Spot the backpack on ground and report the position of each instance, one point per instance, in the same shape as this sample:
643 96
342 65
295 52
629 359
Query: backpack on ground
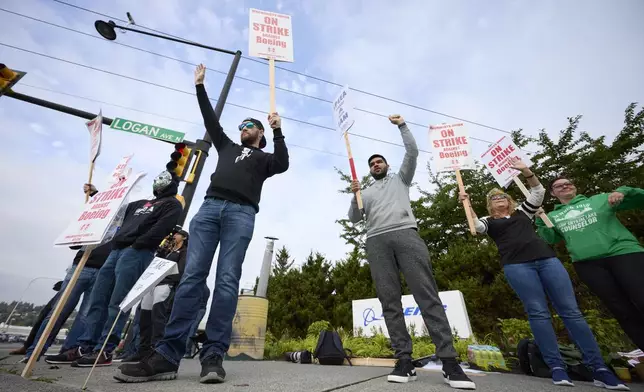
532 363
329 350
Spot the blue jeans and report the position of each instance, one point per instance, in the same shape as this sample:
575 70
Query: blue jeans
83 287
195 324
218 222
532 281
115 279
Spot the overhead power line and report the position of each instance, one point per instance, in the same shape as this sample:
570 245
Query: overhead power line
212 99
298 73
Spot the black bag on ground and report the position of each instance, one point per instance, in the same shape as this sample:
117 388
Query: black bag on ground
532 363
329 350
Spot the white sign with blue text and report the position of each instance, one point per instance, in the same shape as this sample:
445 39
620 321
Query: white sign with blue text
367 315
342 111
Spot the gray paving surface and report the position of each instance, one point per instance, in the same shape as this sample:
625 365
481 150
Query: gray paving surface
264 376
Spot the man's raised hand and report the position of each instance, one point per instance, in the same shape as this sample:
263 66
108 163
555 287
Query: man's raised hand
200 74
355 186
396 119
274 120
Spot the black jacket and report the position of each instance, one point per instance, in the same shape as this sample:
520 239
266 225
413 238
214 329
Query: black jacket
98 256
241 170
178 257
147 222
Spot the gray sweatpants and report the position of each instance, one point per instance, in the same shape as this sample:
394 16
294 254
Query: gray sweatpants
403 250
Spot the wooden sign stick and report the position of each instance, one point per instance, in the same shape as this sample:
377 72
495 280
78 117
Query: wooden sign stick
466 203
26 372
91 172
526 193
101 352
354 175
271 83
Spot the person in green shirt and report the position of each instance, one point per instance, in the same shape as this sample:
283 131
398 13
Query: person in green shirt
606 256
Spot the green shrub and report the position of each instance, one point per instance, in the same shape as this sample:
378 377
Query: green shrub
317 327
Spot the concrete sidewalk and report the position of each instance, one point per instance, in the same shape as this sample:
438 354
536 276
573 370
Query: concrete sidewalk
264 376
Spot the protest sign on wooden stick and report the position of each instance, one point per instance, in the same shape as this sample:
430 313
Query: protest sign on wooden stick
95 127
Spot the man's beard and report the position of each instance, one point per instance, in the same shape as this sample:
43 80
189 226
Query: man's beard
250 139
382 174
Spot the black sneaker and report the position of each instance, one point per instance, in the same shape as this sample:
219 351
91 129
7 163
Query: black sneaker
212 371
404 371
134 358
454 375
65 358
88 360
154 367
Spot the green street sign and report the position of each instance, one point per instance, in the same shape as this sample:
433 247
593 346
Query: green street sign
167 135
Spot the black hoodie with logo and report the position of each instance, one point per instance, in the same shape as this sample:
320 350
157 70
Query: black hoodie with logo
98 256
241 169
148 222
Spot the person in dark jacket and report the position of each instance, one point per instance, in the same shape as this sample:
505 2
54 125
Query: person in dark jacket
226 217
83 287
156 305
41 316
145 224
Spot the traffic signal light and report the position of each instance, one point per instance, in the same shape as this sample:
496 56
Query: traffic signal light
8 78
179 159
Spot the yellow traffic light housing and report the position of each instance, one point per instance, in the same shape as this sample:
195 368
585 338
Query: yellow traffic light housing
8 78
179 159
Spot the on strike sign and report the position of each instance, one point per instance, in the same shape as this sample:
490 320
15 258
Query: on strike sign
98 213
451 147
95 127
270 35
497 160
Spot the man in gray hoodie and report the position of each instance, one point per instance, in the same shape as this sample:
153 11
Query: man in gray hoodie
394 246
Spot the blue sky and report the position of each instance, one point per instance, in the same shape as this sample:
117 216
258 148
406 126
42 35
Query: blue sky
508 64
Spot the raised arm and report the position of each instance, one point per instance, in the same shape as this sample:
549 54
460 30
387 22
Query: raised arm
627 198
479 224
537 192
408 166
210 120
278 162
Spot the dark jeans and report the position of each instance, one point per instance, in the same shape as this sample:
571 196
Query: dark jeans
218 222
617 281
155 311
41 317
83 287
404 251
190 345
532 281
115 279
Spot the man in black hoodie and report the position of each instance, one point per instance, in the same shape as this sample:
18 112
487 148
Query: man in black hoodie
226 218
145 224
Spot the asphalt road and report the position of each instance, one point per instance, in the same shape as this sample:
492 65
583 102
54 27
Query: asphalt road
264 376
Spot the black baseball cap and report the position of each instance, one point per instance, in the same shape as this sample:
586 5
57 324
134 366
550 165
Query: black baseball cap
258 124
375 156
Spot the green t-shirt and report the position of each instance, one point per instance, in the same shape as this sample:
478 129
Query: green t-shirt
590 227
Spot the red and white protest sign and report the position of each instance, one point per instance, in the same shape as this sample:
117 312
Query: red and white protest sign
95 128
451 147
90 226
270 35
121 169
497 160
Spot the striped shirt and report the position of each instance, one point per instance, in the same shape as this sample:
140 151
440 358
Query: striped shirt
514 235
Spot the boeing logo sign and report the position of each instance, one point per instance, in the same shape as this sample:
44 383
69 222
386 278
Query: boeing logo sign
368 316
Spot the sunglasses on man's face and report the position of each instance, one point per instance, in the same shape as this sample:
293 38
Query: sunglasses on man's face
498 197
248 125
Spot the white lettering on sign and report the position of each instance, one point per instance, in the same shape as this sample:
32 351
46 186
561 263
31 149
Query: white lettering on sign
498 160
270 35
342 111
451 147
368 317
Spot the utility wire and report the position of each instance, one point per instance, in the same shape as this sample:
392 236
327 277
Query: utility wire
155 114
300 73
212 99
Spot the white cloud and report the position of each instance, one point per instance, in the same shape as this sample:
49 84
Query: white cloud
58 144
508 66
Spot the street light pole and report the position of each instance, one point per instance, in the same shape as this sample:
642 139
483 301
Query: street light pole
108 31
20 299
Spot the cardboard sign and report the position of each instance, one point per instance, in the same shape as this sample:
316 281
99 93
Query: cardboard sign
367 314
95 128
497 160
270 35
342 111
97 215
451 147
157 270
